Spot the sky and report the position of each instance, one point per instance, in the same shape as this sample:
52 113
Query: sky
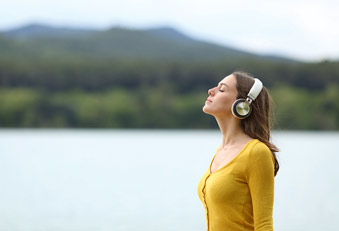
306 30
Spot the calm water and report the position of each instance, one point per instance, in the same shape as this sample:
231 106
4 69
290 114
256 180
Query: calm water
147 180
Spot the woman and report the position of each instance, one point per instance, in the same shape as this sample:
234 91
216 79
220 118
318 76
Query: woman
237 190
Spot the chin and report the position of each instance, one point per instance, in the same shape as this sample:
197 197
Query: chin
214 112
205 110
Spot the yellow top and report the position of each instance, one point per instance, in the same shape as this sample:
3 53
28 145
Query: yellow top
239 195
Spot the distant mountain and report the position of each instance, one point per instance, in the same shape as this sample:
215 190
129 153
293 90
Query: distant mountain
39 31
169 33
37 40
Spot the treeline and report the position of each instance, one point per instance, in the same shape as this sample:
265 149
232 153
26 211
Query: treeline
66 73
109 93
154 108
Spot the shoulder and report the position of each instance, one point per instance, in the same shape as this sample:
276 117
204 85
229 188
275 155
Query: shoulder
259 151
260 160
259 146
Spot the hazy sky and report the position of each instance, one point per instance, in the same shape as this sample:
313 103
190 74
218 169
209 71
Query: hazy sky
306 29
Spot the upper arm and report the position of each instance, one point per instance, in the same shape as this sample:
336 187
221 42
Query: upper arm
261 184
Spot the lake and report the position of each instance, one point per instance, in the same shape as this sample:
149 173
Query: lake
147 179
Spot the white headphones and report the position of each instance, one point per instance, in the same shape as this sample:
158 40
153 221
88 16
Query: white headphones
241 108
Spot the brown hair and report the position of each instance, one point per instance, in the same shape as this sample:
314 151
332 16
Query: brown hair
259 123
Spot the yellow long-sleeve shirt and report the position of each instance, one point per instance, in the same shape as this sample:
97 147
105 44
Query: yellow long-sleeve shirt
239 196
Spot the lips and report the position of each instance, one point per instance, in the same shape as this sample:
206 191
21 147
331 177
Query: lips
208 100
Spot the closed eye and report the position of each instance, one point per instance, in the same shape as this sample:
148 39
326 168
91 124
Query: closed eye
222 88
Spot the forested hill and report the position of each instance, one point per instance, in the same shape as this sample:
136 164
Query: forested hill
154 78
159 43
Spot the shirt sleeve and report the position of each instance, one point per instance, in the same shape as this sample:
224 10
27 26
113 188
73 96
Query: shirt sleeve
260 180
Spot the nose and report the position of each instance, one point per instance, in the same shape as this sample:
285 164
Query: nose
210 92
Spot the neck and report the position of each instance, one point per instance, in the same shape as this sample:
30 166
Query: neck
231 130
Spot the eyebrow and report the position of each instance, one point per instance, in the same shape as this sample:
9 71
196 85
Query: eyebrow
223 84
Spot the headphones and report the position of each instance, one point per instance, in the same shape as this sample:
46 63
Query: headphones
241 108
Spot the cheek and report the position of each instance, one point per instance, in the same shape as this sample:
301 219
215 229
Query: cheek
225 105
220 105
226 101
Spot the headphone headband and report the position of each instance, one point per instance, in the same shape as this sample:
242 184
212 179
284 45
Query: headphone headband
255 90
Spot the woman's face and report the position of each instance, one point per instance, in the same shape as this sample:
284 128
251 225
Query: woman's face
221 97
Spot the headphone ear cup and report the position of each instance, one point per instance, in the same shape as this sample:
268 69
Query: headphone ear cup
241 109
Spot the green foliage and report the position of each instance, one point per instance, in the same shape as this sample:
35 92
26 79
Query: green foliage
17 106
155 108
115 108
301 109
144 79
145 94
